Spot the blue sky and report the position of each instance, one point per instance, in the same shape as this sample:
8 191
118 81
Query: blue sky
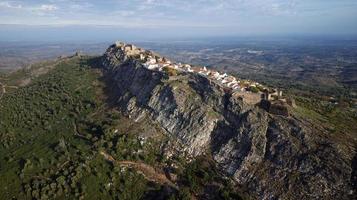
192 17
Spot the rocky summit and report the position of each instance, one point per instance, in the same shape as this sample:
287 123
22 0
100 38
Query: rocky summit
273 156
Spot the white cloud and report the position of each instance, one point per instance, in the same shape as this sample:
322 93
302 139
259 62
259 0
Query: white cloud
43 7
7 4
47 7
78 7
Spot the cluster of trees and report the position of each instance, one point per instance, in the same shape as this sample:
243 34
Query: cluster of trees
54 97
61 183
202 174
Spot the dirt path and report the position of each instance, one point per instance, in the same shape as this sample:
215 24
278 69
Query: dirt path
13 87
3 90
77 133
149 172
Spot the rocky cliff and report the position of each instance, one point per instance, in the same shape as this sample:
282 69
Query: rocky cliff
275 157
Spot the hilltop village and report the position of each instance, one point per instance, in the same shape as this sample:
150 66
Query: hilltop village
250 91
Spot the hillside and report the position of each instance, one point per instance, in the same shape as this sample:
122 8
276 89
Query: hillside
53 133
108 127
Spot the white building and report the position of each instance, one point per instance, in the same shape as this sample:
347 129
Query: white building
151 61
224 81
202 72
153 66
142 57
231 83
216 75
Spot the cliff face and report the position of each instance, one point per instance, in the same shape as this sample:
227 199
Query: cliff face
273 156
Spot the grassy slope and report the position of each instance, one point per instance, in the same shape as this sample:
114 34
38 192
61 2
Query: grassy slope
338 122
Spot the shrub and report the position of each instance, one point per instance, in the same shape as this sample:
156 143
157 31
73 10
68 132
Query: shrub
170 71
253 89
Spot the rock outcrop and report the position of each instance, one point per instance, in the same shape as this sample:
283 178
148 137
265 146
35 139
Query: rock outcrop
275 157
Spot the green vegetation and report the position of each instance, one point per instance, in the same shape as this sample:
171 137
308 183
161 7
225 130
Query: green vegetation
50 142
170 71
253 89
337 117
202 174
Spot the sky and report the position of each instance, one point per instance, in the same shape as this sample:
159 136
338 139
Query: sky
91 19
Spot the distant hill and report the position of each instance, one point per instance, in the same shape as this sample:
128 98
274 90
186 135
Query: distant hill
17 55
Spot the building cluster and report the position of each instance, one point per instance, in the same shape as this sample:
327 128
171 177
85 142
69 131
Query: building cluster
155 62
130 50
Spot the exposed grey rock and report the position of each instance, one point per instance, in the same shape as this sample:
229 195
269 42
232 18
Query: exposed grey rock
275 157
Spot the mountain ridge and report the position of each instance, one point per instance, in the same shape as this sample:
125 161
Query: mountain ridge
243 139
